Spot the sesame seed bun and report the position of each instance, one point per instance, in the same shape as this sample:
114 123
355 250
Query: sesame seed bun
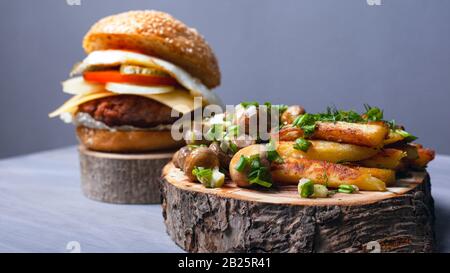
126 141
157 34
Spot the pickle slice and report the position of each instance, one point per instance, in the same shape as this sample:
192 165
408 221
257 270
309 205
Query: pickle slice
139 70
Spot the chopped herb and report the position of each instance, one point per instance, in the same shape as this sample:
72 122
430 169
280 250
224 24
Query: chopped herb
307 122
373 113
392 124
257 174
195 146
202 174
302 144
406 136
242 164
210 178
320 191
260 176
305 187
247 104
281 107
348 189
272 154
233 148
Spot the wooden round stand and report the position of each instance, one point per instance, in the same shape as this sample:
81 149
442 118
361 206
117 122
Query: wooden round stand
232 219
122 178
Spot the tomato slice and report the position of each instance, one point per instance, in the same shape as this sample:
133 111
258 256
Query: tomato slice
116 76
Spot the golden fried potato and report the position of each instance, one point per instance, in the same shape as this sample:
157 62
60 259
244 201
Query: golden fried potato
325 173
241 178
326 150
424 157
362 134
388 158
385 175
370 135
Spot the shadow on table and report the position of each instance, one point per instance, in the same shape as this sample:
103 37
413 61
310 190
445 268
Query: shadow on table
442 227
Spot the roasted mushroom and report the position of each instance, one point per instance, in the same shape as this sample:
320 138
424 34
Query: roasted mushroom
180 156
224 157
200 157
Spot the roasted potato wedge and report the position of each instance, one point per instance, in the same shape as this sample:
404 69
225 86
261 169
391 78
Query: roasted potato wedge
385 175
326 173
370 135
362 134
326 150
386 159
424 157
240 178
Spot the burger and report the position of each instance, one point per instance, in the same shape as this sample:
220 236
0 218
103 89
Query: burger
143 70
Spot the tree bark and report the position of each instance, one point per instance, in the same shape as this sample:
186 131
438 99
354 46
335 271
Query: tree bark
122 178
234 219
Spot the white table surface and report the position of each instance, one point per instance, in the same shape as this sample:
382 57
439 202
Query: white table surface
42 209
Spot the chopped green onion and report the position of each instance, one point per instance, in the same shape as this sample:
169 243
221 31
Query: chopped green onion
272 154
202 174
255 163
242 164
233 147
257 174
210 178
348 189
302 144
392 124
320 191
307 122
305 187
407 136
195 146
373 113
260 182
247 104
217 180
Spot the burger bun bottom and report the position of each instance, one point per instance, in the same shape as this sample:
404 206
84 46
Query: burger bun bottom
126 141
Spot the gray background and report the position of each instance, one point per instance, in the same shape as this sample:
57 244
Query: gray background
315 53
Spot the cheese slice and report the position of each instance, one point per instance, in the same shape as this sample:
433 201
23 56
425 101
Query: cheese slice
116 57
179 100
71 105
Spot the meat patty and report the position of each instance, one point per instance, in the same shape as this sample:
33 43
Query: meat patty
128 110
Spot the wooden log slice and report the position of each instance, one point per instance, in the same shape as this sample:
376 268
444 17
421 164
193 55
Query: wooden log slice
122 178
233 219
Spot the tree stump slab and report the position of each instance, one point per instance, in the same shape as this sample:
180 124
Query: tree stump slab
233 219
122 178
